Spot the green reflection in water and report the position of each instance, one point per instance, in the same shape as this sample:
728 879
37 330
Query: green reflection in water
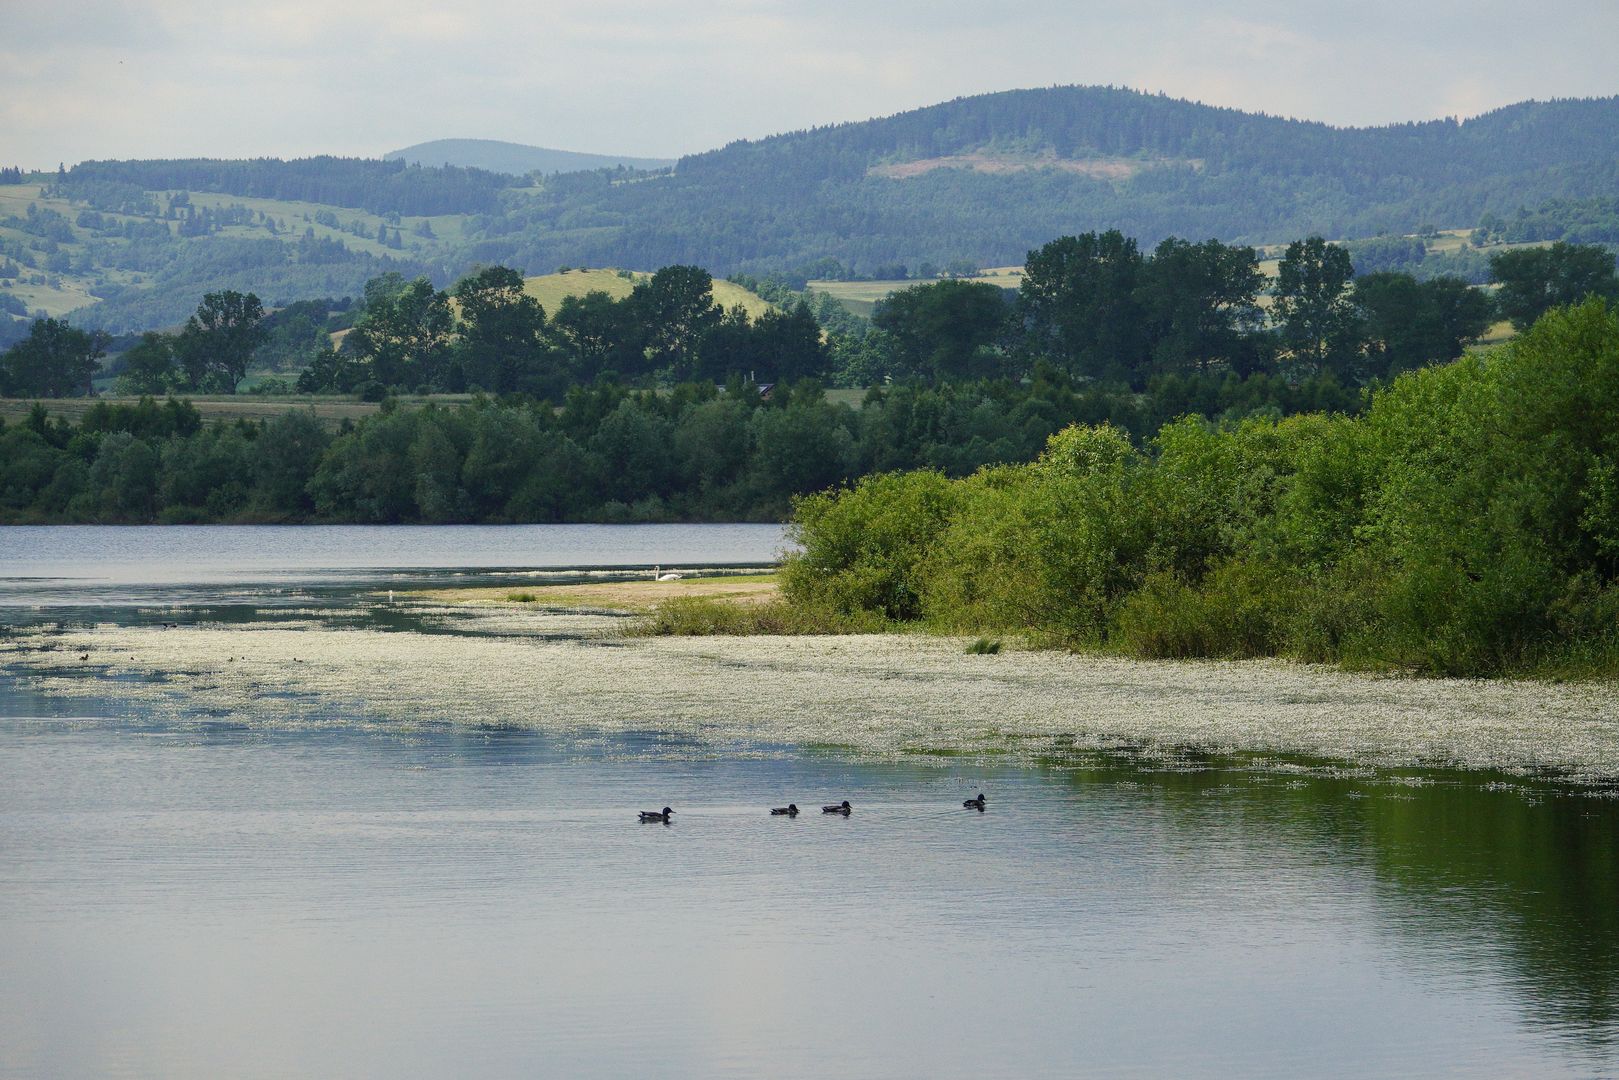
1518 877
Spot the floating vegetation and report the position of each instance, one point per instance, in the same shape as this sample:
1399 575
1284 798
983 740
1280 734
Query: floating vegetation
985 647
884 695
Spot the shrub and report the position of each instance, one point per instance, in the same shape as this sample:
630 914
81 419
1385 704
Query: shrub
1237 612
693 616
864 548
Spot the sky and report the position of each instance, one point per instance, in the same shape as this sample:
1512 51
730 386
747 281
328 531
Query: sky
86 79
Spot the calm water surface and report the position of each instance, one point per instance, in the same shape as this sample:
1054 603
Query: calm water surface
194 897
100 564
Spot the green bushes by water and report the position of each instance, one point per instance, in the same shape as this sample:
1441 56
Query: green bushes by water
1467 523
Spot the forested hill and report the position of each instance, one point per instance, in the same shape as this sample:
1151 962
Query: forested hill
515 159
975 182
361 183
987 178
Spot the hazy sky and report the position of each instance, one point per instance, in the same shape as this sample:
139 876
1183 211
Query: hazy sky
169 78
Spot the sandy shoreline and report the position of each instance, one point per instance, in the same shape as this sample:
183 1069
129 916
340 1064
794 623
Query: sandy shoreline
611 595
879 694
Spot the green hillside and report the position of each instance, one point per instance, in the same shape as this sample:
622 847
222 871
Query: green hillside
515 159
983 180
975 182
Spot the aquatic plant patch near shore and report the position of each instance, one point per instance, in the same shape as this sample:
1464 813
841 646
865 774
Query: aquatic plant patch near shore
874 694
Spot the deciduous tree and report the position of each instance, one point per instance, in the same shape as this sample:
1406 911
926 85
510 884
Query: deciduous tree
54 360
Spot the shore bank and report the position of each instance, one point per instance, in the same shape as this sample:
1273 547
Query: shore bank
632 596
510 665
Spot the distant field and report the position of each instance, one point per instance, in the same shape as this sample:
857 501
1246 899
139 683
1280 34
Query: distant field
861 297
332 410
853 398
551 289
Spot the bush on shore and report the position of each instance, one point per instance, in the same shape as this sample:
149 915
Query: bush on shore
1467 524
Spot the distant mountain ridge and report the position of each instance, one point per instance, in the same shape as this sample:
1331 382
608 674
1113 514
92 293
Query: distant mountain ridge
514 159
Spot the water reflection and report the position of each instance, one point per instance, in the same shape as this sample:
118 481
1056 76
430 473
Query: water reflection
127 566
1470 869
1110 914
184 894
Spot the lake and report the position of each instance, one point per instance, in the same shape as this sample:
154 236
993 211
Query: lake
347 861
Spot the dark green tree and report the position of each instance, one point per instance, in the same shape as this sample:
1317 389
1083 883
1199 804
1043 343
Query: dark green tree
676 306
332 371
285 456
1409 323
502 347
1201 302
404 333
54 360
601 336
149 366
793 343
732 346
217 342
1535 280
1314 308
1080 304
944 331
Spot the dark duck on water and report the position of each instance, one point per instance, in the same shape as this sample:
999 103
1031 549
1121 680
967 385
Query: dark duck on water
660 816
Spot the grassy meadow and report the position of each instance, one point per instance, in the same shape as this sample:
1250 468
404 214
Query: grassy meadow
551 289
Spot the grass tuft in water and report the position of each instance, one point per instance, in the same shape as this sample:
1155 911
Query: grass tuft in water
985 647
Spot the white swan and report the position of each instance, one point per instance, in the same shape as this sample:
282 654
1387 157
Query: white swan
670 576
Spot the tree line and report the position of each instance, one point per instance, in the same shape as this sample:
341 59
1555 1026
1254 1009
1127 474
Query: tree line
695 452
364 183
1095 307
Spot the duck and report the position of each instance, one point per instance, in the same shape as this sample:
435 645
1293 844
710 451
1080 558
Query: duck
840 808
650 816
975 804
790 810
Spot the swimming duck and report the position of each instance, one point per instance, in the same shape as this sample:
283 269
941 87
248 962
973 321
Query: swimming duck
650 816
841 808
975 804
791 810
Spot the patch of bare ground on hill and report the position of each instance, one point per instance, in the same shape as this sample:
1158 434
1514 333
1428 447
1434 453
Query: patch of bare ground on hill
1100 168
